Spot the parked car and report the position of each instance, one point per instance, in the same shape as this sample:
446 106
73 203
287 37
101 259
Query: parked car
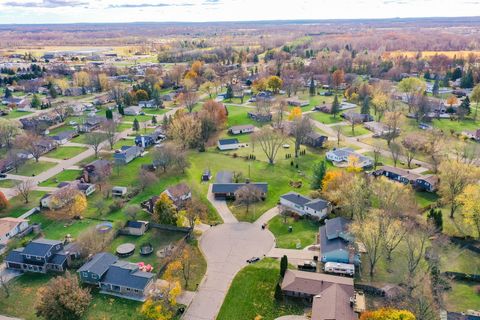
253 260
3 176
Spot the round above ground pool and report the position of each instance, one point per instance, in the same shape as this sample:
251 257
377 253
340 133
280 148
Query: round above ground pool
146 249
104 227
126 249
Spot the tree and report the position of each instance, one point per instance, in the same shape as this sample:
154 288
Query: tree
36 103
464 108
274 83
136 125
412 145
62 112
185 129
311 89
8 93
436 87
270 142
91 241
468 199
296 113
195 211
163 156
9 129
416 244
67 203
95 139
380 103
101 206
164 211
394 233
248 195
370 233
24 188
393 121
109 114
476 98
121 110
283 265
186 264
278 293
62 298
435 216
338 77
3 201
335 106
365 106
411 87
454 176
110 129
141 95
207 88
146 179
319 171
300 129
387 314
434 148
154 120
81 79
188 99
395 151
229 93
30 142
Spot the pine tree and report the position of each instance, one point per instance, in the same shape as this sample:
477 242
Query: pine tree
120 110
312 87
8 93
278 292
255 58
229 94
365 106
436 87
136 125
36 102
283 266
109 114
165 122
3 201
154 119
319 171
427 75
467 80
335 106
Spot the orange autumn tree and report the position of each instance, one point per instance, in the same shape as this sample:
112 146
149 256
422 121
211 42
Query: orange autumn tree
3 201
387 314
296 113
331 180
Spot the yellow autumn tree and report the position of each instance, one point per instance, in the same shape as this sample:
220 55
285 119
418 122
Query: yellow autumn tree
353 164
81 79
469 199
296 113
387 314
154 310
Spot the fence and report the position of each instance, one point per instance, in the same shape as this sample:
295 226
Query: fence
463 276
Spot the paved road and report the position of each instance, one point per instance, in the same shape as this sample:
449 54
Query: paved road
267 216
226 248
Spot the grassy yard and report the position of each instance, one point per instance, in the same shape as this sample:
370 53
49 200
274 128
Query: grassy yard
65 175
239 116
257 282
14 114
359 131
32 168
23 296
425 199
65 152
158 238
7 183
140 118
458 126
462 296
155 112
325 117
386 161
18 206
123 142
58 229
304 232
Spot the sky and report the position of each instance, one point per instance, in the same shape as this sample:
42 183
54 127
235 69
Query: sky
73 11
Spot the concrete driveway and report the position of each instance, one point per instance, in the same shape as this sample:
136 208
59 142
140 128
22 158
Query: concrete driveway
226 248
221 207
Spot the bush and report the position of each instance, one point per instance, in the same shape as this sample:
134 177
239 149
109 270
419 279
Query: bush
116 205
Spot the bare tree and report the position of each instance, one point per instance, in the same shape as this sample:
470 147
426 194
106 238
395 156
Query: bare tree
9 129
14 159
24 189
30 142
195 210
163 156
412 145
188 99
4 285
110 128
95 139
62 112
270 142
280 109
91 241
338 134
146 179
434 148
416 244
248 195
300 129
396 151
376 157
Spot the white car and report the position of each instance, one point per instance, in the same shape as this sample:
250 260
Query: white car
73 123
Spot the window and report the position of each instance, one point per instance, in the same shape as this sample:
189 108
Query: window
27 256
39 258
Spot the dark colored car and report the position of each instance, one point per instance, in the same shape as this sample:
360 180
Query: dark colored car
253 260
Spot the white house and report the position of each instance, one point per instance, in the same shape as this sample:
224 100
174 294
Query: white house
340 156
147 104
302 205
132 111
242 129
10 227
227 144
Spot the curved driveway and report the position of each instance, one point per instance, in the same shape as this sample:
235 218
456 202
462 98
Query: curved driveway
226 248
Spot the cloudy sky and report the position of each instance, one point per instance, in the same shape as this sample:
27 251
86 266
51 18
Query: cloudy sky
69 11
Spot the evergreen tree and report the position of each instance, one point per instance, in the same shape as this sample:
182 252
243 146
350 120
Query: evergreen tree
278 292
36 103
312 87
8 93
457 73
255 58
120 110
283 266
436 87
335 106
154 119
427 75
436 217
365 106
109 114
319 171
464 108
445 81
229 94
467 80
136 125
53 92
165 122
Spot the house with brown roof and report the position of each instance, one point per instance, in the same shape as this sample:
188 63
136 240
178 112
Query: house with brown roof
179 193
10 227
332 297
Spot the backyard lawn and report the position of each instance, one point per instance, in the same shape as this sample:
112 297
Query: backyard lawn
257 282
463 296
239 116
65 152
32 168
325 117
359 131
14 114
65 175
18 206
304 232
123 142
7 183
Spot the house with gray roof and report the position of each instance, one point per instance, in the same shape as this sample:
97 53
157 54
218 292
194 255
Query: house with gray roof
127 154
227 144
341 156
336 242
303 205
40 255
117 277
65 136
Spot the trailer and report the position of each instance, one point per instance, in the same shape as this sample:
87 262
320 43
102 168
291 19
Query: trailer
339 268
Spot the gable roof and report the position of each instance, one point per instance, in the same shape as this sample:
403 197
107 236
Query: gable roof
178 190
126 274
334 303
8 223
312 283
317 204
296 198
99 264
242 127
224 142
40 247
336 227
233 187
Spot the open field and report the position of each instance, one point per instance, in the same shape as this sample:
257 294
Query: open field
65 152
65 175
304 232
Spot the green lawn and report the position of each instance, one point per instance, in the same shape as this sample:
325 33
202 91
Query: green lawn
32 168
239 116
80 139
16 114
140 118
124 126
463 296
158 238
155 112
65 152
23 296
425 199
58 229
18 206
386 161
65 175
123 142
304 232
60 129
359 131
458 126
257 282
325 117
7 183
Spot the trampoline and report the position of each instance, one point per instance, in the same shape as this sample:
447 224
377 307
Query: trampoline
104 227
125 250
146 249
